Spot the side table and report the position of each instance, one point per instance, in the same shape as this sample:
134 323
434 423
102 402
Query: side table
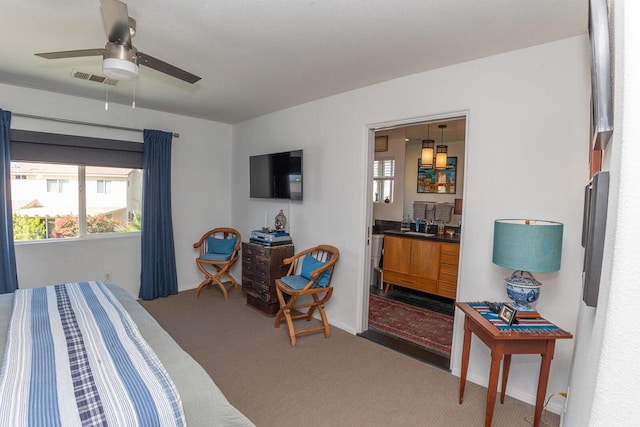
529 337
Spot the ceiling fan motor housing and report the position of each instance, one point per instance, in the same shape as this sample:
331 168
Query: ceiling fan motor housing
120 62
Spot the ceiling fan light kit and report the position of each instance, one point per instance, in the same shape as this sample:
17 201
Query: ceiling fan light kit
120 62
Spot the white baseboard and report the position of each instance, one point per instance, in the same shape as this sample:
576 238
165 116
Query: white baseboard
553 406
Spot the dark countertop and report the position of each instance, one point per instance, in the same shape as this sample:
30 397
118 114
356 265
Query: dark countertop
423 236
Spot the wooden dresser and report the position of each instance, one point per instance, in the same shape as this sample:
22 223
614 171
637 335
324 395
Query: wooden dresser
261 266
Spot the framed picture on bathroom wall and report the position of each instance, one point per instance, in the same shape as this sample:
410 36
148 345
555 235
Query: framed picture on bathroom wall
442 181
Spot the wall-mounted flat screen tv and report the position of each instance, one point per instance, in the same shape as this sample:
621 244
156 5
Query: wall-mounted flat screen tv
276 175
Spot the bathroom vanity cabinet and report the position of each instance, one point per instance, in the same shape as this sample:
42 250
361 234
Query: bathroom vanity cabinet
421 264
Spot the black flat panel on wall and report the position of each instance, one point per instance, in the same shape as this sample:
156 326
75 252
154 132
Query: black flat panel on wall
596 200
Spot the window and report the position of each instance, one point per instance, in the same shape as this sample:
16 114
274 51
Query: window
57 185
104 186
69 186
383 180
109 205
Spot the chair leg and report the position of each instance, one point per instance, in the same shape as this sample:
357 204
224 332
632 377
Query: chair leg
206 282
234 282
285 311
211 277
280 313
225 294
292 332
286 307
278 319
325 322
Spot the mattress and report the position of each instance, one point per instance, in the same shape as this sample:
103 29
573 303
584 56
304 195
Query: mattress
203 402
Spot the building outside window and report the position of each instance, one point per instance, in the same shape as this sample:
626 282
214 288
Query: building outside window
383 180
104 186
60 201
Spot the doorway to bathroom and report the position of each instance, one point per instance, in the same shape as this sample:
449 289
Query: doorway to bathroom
413 321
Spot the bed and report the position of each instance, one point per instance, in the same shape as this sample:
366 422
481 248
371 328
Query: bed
203 404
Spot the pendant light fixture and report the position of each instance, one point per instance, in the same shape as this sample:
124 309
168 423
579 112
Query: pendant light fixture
441 150
427 151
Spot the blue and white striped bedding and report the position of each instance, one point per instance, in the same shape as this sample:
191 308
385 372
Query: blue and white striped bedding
74 357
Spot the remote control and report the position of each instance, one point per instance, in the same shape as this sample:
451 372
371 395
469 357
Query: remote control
494 306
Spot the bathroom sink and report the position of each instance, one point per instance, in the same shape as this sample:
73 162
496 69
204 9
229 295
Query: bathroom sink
415 233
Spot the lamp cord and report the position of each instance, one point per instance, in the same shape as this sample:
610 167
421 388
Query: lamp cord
529 418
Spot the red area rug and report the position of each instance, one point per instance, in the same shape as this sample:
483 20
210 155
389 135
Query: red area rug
423 327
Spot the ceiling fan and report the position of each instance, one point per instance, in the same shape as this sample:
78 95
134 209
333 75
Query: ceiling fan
120 58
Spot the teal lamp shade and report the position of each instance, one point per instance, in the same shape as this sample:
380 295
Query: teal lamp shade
527 245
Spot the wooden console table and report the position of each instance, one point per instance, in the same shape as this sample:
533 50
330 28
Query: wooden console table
530 337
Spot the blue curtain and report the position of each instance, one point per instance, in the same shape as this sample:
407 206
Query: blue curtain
158 277
8 272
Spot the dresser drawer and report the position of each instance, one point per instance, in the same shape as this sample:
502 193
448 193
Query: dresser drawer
258 289
448 273
448 278
450 249
418 283
447 290
253 250
448 259
449 269
255 272
256 262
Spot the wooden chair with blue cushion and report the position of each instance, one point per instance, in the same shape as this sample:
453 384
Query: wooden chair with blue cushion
219 249
309 277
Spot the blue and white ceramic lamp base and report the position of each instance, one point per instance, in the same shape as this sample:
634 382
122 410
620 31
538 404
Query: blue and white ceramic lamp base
523 291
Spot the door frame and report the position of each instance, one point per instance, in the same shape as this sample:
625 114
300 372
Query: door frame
371 129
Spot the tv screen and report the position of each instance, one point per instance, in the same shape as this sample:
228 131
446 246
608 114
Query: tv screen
276 175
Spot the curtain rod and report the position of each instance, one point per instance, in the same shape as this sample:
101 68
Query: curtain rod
77 122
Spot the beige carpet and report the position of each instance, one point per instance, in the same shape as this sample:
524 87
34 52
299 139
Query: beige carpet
344 380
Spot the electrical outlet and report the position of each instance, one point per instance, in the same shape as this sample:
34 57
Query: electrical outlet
107 277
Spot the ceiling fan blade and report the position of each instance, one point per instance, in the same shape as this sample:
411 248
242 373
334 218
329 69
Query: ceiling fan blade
71 53
116 22
163 67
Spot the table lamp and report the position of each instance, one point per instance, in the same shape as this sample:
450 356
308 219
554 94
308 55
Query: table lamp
526 246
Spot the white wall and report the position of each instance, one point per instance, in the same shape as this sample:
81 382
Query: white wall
200 189
605 381
528 123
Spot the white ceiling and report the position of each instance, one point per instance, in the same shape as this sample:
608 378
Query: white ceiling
257 57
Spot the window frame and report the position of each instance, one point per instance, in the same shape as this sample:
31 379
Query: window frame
384 178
